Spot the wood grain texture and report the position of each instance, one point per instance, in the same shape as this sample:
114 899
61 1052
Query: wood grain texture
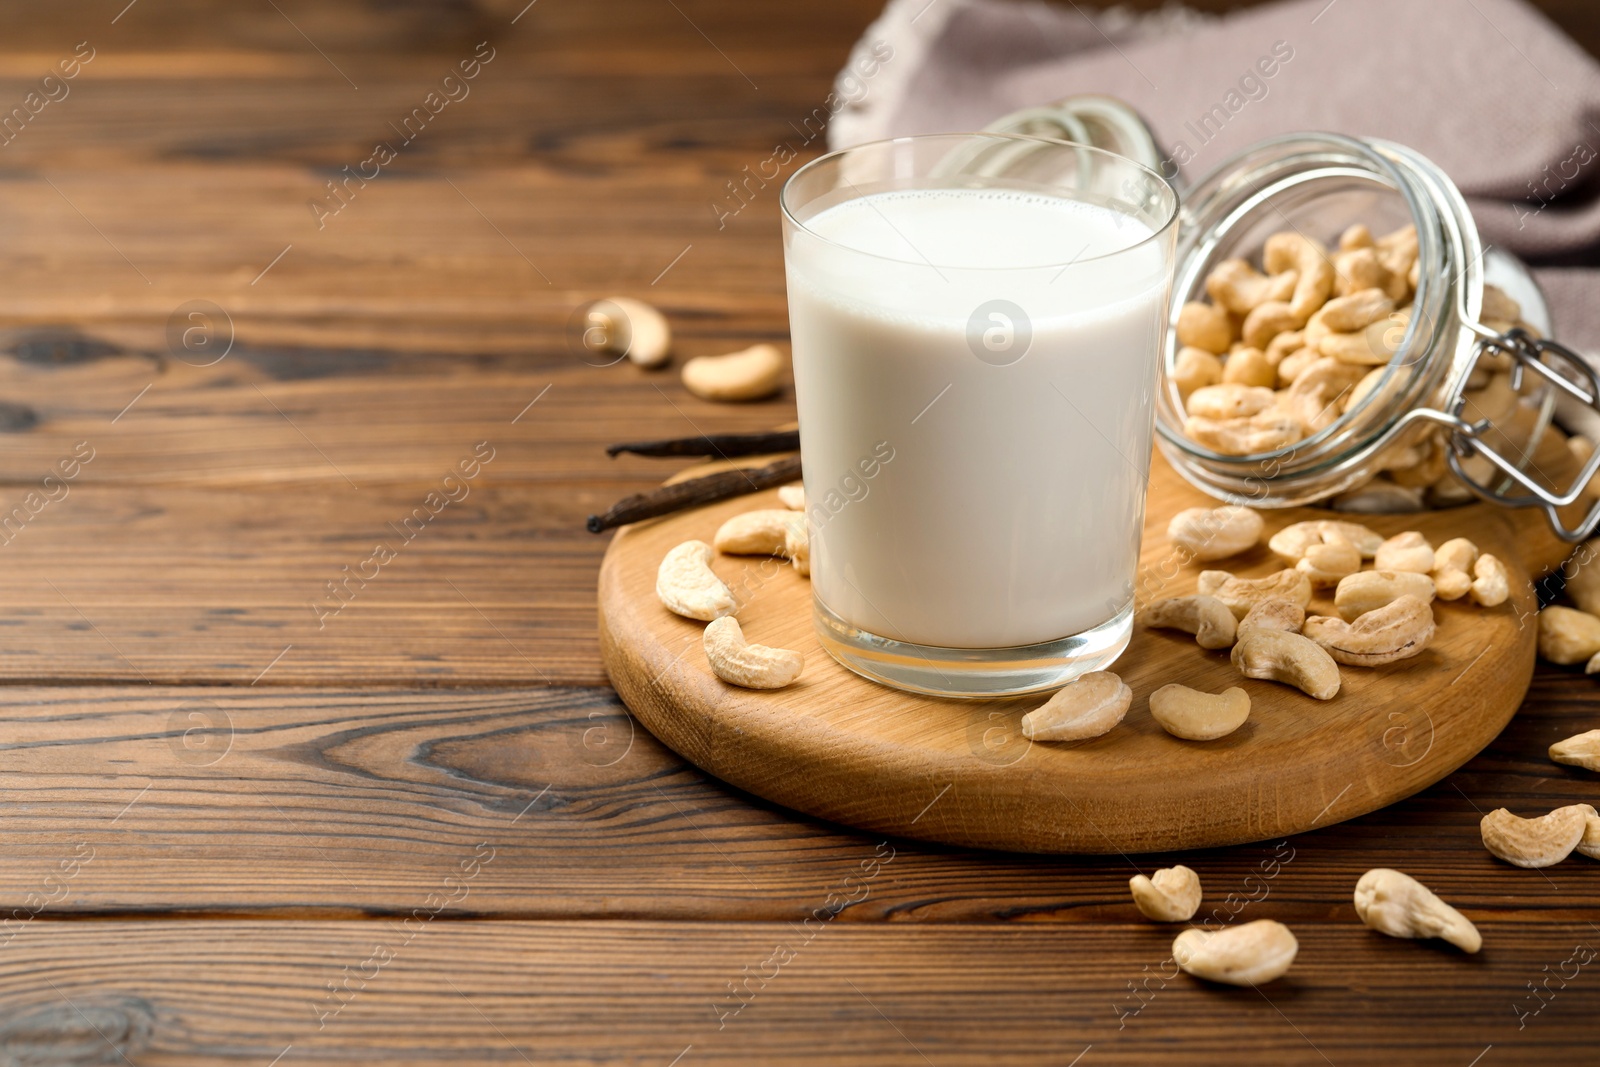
349 803
441 992
415 323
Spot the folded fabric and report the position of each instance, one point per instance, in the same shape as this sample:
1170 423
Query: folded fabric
1502 100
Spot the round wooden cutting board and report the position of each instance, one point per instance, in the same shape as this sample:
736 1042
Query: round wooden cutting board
837 746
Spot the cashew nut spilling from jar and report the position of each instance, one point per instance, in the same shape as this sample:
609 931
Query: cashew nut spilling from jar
1275 656
1206 327
1541 842
1293 251
1194 368
1452 568
1580 750
687 586
1273 613
1245 955
1087 706
1250 366
1229 401
1171 895
1266 432
1292 541
1568 636
1399 630
792 497
1408 551
753 533
1371 590
1242 594
1196 716
753 373
627 327
1215 533
1398 905
1236 285
1206 617
751 666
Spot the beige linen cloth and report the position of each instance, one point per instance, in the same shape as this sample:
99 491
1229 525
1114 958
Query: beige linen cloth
1490 90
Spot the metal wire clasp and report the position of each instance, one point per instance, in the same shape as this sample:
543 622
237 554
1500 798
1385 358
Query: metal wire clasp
1562 368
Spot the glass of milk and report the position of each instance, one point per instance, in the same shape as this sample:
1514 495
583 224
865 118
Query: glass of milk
977 323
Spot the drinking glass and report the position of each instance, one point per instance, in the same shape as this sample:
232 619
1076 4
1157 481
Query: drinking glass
977 323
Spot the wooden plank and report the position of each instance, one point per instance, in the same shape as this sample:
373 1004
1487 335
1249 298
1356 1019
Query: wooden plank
345 803
193 586
441 992
288 413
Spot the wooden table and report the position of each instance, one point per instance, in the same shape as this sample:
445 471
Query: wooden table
272 795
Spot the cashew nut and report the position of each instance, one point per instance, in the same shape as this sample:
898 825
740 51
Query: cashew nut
747 665
1250 366
1292 541
1567 636
1203 326
1293 365
687 586
1215 533
1452 567
1589 843
1539 842
1250 436
1239 287
1242 594
1492 586
1370 590
1317 396
1398 630
1206 617
1293 251
1229 401
750 374
1171 895
1087 706
1374 344
1347 314
792 497
1273 613
1328 564
1286 343
1408 551
1357 269
1398 253
1398 905
754 533
1194 368
797 545
1268 321
1196 716
1248 954
628 327
1580 750
1357 235
1275 656
1583 583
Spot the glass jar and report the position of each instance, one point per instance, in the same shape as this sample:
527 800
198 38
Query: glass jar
1317 185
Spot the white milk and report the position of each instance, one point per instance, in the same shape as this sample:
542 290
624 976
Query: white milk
1010 506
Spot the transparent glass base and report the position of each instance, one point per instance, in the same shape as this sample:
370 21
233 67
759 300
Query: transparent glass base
973 672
